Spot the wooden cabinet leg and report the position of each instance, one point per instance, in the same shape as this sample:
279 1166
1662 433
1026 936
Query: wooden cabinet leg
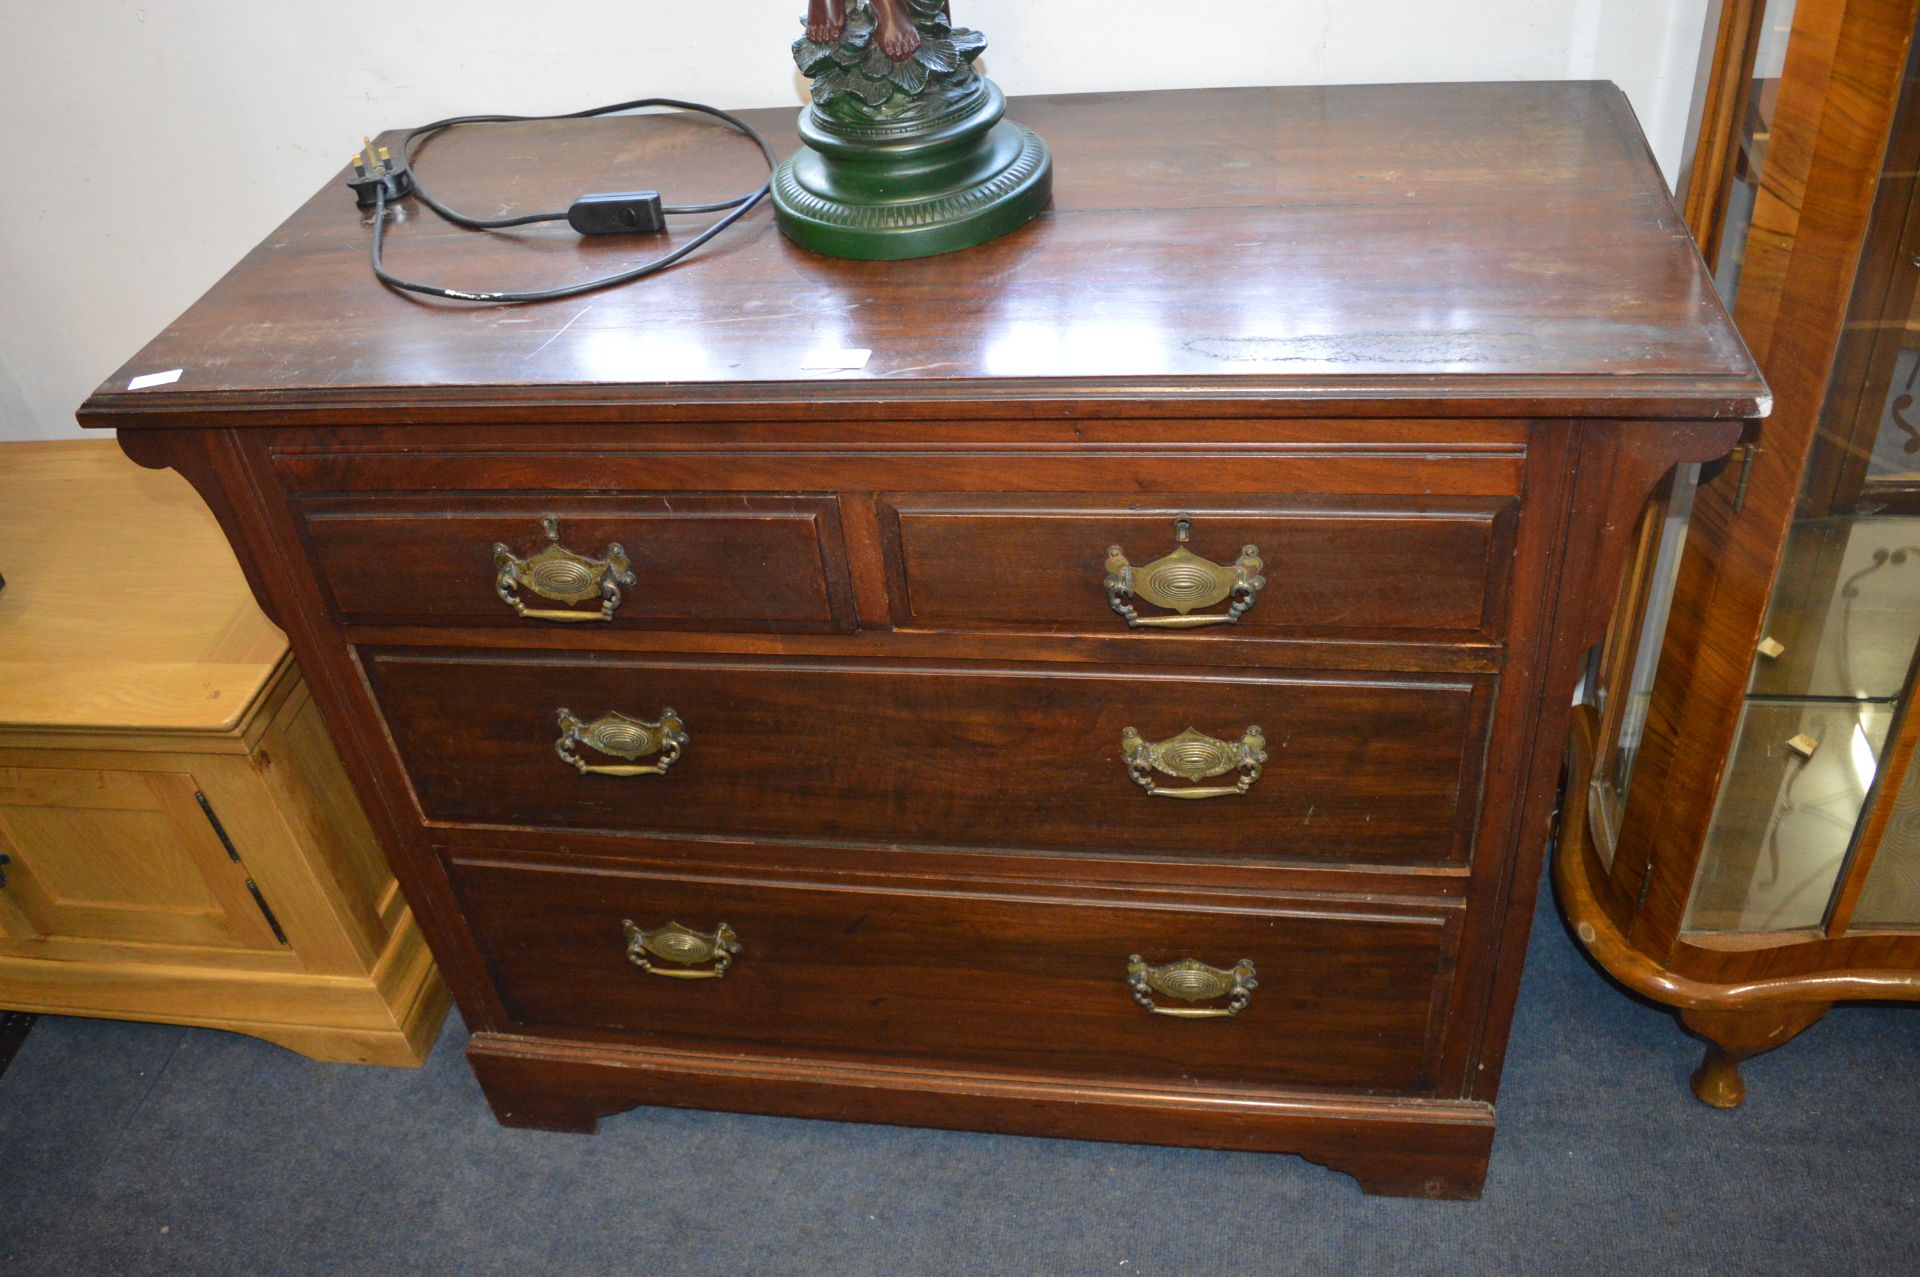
1436 1178
1717 1080
1732 1036
521 1098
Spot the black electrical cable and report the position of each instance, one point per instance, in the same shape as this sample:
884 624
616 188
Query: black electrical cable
739 207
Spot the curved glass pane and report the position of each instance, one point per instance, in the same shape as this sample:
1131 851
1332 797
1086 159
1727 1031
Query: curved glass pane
1891 897
1787 845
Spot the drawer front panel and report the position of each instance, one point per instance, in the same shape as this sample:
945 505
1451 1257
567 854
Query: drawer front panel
1381 771
967 561
1347 1000
1255 457
676 561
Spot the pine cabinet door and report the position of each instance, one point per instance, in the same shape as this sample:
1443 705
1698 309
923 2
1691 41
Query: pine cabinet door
122 857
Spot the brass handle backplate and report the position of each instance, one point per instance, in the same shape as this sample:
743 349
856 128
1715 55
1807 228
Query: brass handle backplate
558 573
683 947
1190 980
1194 756
622 737
1182 581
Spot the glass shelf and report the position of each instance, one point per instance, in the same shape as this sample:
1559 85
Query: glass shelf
1846 608
1846 614
1785 820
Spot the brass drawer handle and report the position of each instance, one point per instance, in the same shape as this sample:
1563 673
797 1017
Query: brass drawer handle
622 737
683 947
1193 755
558 573
1190 980
1183 581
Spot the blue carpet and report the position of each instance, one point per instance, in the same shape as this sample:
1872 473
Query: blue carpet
142 1148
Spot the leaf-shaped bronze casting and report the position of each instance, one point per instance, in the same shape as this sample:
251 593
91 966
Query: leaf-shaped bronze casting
938 55
910 75
872 92
811 57
968 43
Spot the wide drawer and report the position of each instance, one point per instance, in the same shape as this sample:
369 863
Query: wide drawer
1336 997
1410 566
1374 770
678 560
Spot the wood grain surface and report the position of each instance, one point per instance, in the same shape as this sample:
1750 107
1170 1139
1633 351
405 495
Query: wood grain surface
1477 246
770 562
1366 770
124 608
1346 998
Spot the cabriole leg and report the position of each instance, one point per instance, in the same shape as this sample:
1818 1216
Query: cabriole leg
1732 1036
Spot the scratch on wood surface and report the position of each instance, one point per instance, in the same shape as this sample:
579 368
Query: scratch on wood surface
559 332
944 363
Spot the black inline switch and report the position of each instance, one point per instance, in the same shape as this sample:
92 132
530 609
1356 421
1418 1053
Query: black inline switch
618 213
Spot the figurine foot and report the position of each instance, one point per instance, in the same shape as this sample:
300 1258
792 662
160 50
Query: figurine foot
894 30
826 21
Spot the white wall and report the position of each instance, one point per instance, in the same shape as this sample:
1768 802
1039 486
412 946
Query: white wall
149 143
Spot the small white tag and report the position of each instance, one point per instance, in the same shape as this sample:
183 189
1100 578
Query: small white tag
168 377
834 360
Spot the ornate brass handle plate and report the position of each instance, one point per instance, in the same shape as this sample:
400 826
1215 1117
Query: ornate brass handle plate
1190 980
1183 581
1194 756
622 737
559 574
684 948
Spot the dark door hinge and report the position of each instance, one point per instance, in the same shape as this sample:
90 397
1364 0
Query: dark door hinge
233 853
1646 885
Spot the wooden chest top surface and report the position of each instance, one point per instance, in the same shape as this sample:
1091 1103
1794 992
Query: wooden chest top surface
1502 249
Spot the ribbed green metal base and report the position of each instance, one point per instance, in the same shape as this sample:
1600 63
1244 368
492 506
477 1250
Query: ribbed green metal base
883 192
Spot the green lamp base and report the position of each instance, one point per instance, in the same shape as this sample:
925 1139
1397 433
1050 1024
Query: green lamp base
887 190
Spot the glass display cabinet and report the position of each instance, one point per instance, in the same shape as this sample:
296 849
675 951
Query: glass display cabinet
1741 832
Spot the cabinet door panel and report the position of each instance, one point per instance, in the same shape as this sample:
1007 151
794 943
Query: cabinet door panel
120 856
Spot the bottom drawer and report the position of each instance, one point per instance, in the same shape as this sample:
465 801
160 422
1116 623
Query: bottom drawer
1341 999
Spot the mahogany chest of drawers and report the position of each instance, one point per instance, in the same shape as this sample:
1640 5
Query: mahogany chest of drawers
1127 707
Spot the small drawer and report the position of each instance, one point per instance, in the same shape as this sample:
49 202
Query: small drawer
738 562
1290 768
1319 997
1410 567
